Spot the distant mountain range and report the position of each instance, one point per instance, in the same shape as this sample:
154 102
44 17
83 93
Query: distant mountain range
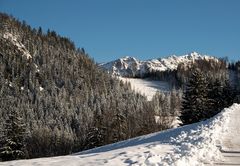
130 66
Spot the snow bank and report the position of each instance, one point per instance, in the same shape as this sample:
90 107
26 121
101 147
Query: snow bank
202 145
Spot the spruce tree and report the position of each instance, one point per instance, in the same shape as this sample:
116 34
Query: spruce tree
13 139
119 127
194 104
215 97
97 133
175 107
228 94
95 138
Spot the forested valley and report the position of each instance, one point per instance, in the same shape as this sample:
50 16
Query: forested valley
55 100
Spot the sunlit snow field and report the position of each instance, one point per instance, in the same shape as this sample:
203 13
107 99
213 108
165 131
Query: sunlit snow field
147 87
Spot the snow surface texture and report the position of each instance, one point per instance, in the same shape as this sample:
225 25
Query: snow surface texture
131 67
196 144
147 87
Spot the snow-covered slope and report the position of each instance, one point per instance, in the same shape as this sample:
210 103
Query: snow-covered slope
18 44
15 42
131 67
147 87
195 144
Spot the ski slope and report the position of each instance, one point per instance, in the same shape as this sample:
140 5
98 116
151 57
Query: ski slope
147 87
203 143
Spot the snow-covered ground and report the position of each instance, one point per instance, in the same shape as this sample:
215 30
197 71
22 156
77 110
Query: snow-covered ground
147 87
196 144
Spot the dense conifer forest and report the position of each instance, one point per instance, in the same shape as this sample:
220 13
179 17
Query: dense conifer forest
61 101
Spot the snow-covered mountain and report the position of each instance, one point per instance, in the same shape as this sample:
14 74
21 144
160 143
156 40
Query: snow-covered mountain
211 142
131 67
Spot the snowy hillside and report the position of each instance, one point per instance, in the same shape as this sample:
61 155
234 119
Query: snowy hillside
131 67
197 144
147 87
18 44
22 49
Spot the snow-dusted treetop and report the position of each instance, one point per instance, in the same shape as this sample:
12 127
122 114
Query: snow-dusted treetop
130 66
13 39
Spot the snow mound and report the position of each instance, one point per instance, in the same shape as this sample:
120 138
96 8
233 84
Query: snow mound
203 144
132 67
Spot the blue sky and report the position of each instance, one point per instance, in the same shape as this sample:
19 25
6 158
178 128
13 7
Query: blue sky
109 29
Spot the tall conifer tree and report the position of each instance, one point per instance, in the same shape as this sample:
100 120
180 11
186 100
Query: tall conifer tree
194 104
13 139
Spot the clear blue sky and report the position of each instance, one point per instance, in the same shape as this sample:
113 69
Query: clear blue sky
109 29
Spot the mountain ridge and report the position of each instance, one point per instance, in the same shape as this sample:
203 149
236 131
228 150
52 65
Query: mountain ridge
131 67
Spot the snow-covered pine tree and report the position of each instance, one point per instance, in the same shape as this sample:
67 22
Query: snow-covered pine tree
194 104
215 95
95 138
96 134
175 106
229 94
119 127
13 139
